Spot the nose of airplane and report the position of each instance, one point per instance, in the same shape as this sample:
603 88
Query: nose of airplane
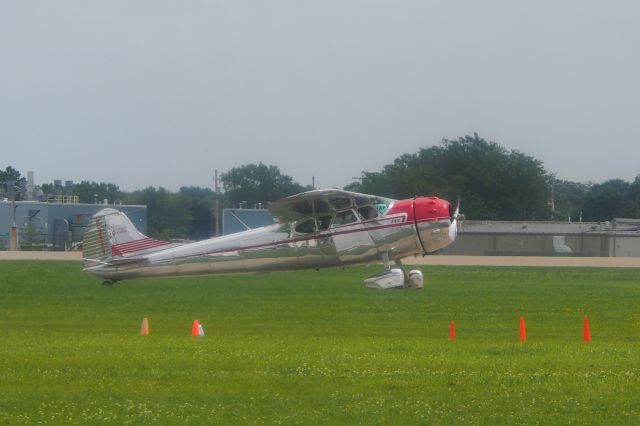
434 219
432 208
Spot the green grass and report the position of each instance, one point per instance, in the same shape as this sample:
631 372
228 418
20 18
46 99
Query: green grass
319 348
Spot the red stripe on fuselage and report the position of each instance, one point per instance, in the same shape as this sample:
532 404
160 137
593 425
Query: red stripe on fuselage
136 245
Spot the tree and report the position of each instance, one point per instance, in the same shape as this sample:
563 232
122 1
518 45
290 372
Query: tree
30 238
200 202
568 199
89 192
635 197
610 199
10 174
187 214
167 216
492 182
257 183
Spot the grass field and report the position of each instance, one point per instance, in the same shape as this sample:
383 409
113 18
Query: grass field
319 348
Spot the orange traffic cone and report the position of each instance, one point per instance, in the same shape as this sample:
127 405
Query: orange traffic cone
586 331
452 331
195 328
523 330
144 328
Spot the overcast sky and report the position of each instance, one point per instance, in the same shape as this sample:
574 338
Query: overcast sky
161 93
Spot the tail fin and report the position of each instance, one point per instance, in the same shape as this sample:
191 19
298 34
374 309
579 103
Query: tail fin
111 235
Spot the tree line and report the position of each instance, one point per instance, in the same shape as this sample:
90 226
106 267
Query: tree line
491 182
494 183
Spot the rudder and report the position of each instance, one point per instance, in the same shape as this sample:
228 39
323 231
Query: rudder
110 234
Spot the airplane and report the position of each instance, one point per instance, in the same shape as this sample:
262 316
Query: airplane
314 229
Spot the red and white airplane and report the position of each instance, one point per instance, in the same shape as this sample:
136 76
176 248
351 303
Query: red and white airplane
315 229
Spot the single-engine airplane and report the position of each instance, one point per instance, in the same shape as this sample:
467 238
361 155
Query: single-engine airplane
314 229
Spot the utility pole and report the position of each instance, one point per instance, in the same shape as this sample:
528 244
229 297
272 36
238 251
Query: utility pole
13 228
217 207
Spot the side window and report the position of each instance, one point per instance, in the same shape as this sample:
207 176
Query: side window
345 217
324 222
320 206
302 207
340 202
368 212
306 227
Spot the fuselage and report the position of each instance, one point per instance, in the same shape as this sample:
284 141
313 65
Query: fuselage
406 228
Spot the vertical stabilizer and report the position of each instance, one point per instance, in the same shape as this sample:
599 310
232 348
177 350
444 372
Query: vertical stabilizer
111 235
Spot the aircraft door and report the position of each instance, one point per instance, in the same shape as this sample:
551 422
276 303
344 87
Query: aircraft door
351 240
308 245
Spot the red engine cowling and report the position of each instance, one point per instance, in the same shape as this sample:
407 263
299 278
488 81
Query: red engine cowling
423 209
432 218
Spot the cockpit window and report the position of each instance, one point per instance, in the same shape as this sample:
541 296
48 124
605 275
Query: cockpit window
345 217
361 201
368 212
324 222
320 206
340 202
306 227
302 207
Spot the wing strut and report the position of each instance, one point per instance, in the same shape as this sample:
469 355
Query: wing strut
385 261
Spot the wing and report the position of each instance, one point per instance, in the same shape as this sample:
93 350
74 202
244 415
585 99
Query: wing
322 202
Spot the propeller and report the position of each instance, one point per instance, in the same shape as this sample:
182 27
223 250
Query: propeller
453 228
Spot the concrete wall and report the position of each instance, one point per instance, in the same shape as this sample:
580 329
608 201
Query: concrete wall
505 244
624 246
590 244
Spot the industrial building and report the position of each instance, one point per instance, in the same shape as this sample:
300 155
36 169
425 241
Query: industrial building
55 225
238 220
53 221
